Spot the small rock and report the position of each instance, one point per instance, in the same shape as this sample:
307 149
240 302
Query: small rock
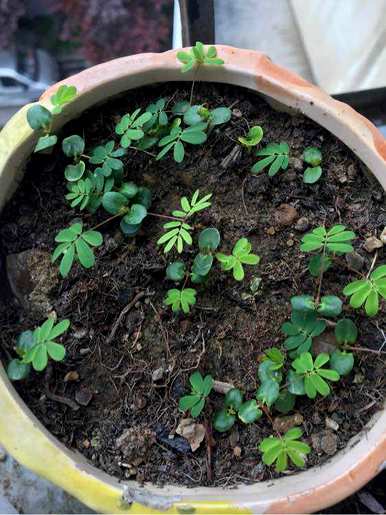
80 333
290 243
135 444
237 113
325 342
237 452
285 215
302 225
372 244
331 424
194 433
297 163
3 454
83 396
158 374
84 351
282 424
316 418
32 277
325 441
383 236
86 444
358 378
355 261
71 376
271 231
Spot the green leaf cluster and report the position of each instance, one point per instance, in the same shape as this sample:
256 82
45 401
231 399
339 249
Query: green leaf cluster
198 55
74 244
367 291
131 127
274 155
200 390
35 347
181 300
178 231
313 375
279 449
176 138
241 255
235 407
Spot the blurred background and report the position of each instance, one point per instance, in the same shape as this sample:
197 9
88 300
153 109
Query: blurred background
339 45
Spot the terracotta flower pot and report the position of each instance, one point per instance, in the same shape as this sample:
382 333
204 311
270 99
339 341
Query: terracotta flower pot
31 444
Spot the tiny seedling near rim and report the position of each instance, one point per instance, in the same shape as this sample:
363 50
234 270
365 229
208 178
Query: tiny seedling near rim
200 390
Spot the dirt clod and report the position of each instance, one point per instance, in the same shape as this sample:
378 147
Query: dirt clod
372 244
285 215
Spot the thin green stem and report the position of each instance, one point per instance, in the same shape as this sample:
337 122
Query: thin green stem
166 217
321 276
141 150
106 221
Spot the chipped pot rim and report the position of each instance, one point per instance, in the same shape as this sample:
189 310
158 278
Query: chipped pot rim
33 446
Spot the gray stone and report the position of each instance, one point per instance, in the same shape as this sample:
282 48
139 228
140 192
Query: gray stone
32 277
303 224
372 244
355 261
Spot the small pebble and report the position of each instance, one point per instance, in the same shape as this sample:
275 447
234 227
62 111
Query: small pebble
270 231
84 351
157 374
355 261
331 424
383 236
372 244
237 113
285 215
71 376
282 424
290 243
302 225
237 452
83 396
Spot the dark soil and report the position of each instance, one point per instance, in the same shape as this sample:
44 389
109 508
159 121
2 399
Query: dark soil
225 335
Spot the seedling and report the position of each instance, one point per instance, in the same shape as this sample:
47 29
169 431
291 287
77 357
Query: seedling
197 56
300 330
73 146
275 155
159 116
75 244
130 127
176 271
313 157
181 299
175 140
108 158
178 231
241 255
367 291
197 114
234 406
40 118
253 138
200 390
314 375
279 449
328 306
35 347
208 242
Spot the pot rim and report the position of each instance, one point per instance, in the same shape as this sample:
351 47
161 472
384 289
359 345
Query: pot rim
25 437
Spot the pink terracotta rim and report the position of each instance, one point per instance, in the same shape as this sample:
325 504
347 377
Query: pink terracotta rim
305 492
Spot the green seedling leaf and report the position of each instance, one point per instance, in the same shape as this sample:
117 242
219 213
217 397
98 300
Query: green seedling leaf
342 362
17 370
63 96
312 156
45 142
198 55
233 399
252 139
367 291
275 155
241 255
268 392
73 146
335 240
249 412
209 240
319 263
346 331
314 374
200 390
176 271
330 306
202 264
73 173
181 300
300 330
115 202
38 117
223 420
312 175
285 402
279 450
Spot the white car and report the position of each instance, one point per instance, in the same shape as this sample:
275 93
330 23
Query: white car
24 76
